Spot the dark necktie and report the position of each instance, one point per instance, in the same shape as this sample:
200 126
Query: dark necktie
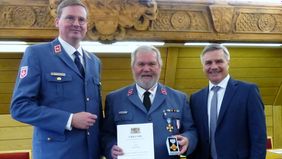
146 100
78 63
213 121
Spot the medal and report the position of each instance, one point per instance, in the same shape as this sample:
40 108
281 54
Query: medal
172 146
169 126
170 115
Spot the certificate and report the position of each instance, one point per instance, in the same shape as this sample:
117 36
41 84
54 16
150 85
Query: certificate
136 141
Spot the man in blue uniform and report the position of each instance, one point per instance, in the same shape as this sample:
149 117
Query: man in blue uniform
228 113
58 91
168 109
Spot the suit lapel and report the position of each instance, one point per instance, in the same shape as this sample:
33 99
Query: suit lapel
228 95
59 51
134 98
204 110
89 66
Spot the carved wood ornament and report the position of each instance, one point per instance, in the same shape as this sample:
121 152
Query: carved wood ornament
109 19
115 20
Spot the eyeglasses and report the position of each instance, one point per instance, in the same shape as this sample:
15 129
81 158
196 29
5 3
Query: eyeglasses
71 20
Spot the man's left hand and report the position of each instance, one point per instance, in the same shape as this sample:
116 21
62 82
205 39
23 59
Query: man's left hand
183 143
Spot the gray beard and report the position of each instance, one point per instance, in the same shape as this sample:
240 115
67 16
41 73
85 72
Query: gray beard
147 85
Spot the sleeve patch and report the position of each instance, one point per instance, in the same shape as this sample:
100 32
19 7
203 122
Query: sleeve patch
23 72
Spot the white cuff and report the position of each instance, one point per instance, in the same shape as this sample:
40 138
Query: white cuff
68 126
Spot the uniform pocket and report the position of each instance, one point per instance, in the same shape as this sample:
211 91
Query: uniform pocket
56 84
50 136
58 79
123 118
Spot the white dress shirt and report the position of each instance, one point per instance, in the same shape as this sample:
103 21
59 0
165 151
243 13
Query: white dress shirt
152 90
70 50
220 95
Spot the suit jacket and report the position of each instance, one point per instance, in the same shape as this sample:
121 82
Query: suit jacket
241 128
126 100
48 89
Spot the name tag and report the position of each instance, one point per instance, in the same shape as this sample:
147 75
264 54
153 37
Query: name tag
61 74
122 112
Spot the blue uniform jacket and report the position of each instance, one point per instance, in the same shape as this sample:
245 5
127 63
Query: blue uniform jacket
126 100
48 89
241 128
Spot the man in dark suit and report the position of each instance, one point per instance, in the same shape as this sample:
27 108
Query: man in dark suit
229 114
58 91
168 111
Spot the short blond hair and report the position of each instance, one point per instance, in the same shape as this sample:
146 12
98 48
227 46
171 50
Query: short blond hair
66 3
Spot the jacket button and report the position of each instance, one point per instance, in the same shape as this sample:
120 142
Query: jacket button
87 99
49 139
88 133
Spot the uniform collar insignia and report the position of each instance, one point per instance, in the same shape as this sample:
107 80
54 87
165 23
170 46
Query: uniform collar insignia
57 48
130 92
163 91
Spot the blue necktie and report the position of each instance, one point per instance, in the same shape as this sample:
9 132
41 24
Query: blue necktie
213 121
78 63
146 100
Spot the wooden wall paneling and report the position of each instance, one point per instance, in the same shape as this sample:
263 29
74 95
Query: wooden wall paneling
4 108
278 97
256 72
257 62
190 83
14 135
263 82
268 91
269 119
277 126
6 87
189 73
8 76
14 55
19 144
5 98
189 76
251 52
9 63
172 55
7 121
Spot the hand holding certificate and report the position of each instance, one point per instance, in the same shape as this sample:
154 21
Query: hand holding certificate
136 141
